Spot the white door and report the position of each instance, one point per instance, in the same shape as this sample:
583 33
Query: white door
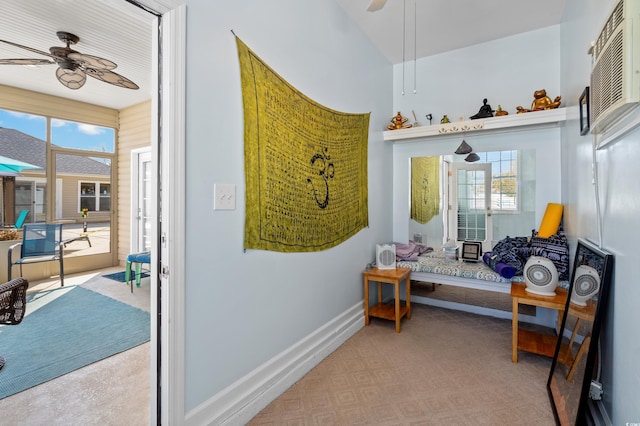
141 200
470 215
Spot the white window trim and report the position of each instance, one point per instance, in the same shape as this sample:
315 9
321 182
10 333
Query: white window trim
96 194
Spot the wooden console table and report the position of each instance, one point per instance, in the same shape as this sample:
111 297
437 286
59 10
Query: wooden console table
382 310
530 341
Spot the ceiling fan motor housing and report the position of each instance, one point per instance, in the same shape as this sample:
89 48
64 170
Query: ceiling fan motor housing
61 59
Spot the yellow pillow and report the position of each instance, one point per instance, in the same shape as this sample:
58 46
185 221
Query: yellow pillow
550 220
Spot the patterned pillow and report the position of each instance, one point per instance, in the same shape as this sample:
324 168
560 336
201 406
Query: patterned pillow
554 248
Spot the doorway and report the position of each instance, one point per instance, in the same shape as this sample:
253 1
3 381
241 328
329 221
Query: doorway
141 199
471 203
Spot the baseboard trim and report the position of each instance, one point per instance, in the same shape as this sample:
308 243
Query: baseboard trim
240 402
480 310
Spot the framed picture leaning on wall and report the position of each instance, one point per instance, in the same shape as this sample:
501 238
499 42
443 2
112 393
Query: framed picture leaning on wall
583 105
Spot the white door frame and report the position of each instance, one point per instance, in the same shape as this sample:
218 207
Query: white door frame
171 240
486 167
137 157
168 157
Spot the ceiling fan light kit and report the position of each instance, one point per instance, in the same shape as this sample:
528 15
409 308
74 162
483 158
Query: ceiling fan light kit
73 66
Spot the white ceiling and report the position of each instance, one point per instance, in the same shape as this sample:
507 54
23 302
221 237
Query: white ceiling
122 33
444 25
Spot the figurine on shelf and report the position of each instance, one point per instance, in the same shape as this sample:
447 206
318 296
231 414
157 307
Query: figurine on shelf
484 112
500 111
541 102
429 117
445 120
398 122
416 123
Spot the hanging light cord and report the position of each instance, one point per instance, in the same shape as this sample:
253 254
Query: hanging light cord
415 47
404 33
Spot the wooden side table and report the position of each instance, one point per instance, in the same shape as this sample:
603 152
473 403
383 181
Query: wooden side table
382 310
530 341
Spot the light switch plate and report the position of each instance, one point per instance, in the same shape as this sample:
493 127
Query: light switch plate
224 196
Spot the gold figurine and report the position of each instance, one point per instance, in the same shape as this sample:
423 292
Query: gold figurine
541 102
500 111
398 122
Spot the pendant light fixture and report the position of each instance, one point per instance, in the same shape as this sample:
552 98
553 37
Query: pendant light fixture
472 158
464 148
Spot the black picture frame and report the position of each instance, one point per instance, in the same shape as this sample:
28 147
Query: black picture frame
574 362
471 251
585 111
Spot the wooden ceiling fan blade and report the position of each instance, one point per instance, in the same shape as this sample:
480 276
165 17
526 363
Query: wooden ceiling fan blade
111 78
90 61
25 62
376 5
30 49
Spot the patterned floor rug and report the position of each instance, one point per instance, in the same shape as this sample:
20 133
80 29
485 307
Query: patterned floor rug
119 276
66 329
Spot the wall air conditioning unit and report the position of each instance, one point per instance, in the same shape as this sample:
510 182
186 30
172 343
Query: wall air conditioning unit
615 77
386 256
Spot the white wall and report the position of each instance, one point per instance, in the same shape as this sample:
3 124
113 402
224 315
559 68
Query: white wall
506 72
619 175
244 308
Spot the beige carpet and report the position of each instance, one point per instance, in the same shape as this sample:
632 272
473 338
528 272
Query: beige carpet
446 367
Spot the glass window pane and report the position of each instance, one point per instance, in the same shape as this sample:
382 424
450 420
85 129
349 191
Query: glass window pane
84 183
69 134
23 176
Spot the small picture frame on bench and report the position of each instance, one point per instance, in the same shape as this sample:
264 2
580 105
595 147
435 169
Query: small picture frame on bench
471 251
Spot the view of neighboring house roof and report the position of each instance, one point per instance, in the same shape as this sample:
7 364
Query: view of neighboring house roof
23 147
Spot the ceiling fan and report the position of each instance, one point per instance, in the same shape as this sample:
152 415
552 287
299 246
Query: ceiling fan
73 66
376 5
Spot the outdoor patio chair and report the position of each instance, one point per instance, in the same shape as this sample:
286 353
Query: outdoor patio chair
13 303
41 242
21 218
19 221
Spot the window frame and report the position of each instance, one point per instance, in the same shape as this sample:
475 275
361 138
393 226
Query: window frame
496 170
97 195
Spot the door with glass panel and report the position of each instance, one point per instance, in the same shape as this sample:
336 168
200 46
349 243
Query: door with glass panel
141 201
471 203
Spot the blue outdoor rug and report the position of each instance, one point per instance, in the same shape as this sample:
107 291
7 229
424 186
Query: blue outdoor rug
66 329
119 276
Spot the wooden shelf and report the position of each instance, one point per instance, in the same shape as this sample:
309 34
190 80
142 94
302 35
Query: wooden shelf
505 123
543 344
387 311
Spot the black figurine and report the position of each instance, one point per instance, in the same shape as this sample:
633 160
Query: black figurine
429 117
485 111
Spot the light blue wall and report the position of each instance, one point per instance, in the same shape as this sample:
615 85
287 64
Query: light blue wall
506 72
242 309
619 175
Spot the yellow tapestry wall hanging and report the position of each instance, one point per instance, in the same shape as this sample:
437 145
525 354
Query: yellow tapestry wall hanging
425 188
305 165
